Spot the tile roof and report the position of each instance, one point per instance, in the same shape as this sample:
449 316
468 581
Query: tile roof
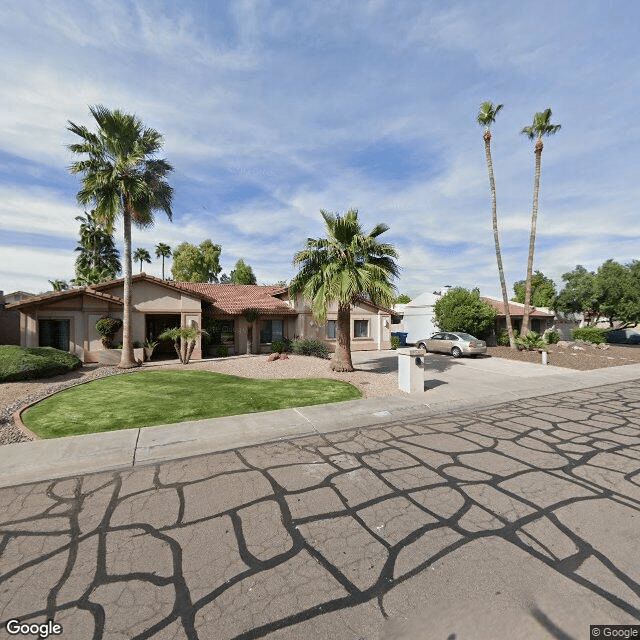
516 309
236 298
62 295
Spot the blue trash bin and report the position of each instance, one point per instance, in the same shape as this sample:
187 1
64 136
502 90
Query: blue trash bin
402 335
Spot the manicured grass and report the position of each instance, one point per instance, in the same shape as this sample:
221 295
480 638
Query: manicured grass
163 397
22 363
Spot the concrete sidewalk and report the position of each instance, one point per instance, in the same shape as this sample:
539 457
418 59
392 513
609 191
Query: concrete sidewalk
459 385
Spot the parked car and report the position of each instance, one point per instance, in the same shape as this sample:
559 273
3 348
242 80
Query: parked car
455 343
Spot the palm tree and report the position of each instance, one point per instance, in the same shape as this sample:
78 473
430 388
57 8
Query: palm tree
164 251
486 117
343 267
141 255
541 127
58 285
99 259
121 177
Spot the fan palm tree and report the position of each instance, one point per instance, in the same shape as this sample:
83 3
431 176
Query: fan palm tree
141 255
540 128
121 177
58 285
486 117
163 251
344 266
99 259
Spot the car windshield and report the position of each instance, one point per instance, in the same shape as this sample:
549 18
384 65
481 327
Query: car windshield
465 336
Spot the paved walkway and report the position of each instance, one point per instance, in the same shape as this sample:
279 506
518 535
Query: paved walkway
517 521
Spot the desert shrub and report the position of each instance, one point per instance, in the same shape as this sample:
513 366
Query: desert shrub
552 337
277 346
595 335
223 351
28 363
315 348
503 337
531 342
395 342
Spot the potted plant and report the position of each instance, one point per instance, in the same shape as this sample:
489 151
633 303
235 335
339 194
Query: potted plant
149 346
107 327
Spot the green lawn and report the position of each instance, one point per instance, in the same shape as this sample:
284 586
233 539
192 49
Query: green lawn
22 363
162 397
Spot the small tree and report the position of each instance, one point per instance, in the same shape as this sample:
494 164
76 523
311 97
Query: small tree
196 264
107 327
543 290
462 310
184 340
242 274
58 285
403 298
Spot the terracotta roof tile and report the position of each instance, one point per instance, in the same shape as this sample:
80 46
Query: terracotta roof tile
236 298
515 309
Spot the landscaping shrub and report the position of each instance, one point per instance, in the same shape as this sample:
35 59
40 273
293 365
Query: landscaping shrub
395 342
277 346
107 327
503 337
223 351
595 335
28 363
531 342
310 348
552 337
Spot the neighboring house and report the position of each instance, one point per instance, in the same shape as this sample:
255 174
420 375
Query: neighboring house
10 318
540 319
244 318
418 316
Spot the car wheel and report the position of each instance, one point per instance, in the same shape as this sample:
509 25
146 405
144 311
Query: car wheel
455 352
421 345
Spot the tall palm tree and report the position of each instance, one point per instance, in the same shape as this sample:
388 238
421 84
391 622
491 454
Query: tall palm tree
99 259
486 117
541 127
141 255
164 251
343 267
121 177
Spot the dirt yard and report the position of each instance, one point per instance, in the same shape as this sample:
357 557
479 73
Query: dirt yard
583 358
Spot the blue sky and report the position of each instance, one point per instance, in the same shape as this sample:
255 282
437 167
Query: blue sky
272 111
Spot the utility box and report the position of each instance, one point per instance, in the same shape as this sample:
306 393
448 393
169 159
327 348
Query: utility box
411 370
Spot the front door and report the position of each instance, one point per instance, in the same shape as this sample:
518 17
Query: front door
156 324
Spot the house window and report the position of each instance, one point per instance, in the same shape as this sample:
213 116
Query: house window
271 331
536 325
331 329
361 328
54 333
220 332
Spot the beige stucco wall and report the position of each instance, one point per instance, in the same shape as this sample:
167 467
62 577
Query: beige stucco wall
84 311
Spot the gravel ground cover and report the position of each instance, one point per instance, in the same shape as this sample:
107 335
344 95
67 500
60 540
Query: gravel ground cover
580 356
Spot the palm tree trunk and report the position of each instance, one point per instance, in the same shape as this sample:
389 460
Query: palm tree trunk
127 360
341 360
494 218
532 240
163 267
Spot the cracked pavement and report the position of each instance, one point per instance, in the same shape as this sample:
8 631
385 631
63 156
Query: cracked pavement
514 521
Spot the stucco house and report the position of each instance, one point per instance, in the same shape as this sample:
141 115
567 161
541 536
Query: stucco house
244 318
540 318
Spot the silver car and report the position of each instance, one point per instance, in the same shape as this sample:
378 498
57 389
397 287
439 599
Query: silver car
455 343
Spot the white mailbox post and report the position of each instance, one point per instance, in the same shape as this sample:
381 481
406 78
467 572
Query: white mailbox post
411 370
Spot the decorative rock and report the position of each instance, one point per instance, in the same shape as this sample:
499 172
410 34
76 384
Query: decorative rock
284 356
564 343
273 356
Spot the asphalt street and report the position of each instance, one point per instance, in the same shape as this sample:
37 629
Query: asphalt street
519 520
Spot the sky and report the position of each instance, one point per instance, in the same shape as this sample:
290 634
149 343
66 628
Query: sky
274 110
